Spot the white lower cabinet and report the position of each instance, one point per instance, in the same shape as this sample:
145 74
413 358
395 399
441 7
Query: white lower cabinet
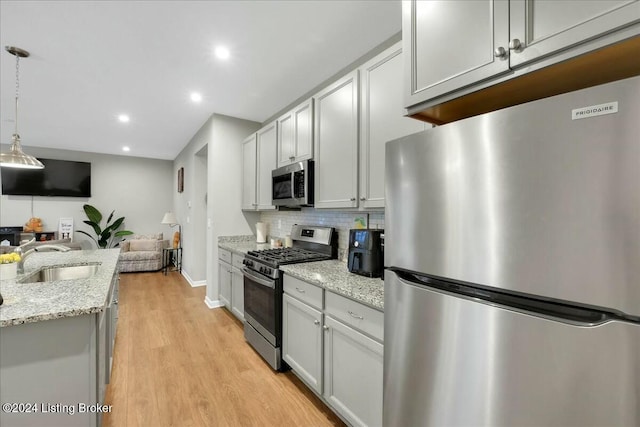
224 279
237 293
353 366
231 282
334 345
302 341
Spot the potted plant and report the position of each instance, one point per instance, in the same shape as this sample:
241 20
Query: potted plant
104 237
9 265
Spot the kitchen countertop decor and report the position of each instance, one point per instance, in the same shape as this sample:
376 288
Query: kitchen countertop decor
334 276
35 302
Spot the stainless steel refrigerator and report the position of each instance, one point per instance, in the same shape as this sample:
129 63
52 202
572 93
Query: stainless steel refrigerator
512 289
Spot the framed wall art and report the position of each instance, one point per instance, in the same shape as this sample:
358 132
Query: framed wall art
180 180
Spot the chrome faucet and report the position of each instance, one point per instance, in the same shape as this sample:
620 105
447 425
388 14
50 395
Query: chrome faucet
28 253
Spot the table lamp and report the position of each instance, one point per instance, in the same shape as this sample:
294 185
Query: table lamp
170 218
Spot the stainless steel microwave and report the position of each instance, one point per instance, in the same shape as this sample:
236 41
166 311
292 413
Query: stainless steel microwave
292 185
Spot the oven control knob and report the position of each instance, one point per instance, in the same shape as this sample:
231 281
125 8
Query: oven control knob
262 269
267 271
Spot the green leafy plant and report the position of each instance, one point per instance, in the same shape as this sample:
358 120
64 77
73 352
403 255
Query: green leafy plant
104 238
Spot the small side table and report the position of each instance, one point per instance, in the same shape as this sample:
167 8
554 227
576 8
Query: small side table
169 256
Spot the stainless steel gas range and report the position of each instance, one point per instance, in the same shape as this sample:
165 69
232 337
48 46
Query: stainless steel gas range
263 286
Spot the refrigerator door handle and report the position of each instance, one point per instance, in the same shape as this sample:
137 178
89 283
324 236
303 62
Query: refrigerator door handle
557 310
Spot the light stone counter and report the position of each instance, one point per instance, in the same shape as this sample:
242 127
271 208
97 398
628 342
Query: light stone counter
35 302
241 244
334 276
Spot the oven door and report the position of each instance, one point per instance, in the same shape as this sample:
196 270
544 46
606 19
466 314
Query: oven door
263 305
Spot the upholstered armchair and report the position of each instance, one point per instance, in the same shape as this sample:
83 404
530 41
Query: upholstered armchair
142 253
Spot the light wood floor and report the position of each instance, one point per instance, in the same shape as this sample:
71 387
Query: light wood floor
179 363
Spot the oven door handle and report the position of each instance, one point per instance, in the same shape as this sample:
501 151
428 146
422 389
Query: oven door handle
259 280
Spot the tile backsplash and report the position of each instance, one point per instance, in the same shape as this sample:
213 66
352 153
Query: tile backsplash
279 223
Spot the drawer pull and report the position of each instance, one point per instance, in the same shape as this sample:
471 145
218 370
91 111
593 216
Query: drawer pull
325 327
302 291
354 315
316 322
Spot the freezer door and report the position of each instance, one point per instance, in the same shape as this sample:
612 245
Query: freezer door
526 199
451 361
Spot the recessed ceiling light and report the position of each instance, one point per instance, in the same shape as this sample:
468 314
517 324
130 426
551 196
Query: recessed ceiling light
196 97
222 52
125 148
123 118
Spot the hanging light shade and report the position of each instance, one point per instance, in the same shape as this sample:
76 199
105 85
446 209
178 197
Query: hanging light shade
16 158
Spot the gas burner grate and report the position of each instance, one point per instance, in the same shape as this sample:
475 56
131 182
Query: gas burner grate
282 256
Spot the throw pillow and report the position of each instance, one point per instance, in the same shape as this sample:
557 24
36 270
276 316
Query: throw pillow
142 245
157 236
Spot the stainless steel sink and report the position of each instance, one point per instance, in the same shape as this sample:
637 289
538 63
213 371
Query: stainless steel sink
50 274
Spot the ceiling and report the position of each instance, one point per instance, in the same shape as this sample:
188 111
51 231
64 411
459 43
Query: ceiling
93 60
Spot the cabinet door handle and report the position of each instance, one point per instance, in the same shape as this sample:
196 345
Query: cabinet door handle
353 199
516 45
302 291
316 322
325 327
354 315
363 198
292 158
500 52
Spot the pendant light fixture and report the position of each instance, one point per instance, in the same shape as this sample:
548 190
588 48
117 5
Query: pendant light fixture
16 158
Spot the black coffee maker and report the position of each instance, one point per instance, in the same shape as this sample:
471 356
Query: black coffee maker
366 252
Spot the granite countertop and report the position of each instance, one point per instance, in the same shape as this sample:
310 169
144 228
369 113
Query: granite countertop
241 244
334 276
35 302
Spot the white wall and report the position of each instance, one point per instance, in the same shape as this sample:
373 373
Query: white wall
219 142
138 189
225 191
193 234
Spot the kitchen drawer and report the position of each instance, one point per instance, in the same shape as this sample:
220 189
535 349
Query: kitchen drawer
305 292
237 260
224 255
359 316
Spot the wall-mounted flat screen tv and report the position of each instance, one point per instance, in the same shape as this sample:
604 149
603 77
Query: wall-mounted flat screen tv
58 178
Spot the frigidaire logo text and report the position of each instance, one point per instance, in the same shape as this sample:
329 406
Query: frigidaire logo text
594 110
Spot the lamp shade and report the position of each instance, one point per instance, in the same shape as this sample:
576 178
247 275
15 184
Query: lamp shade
169 218
16 158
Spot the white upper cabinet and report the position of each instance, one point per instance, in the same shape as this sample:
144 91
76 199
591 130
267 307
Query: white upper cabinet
381 120
336 144
249 156
286 142
266 163
544 27
456 47
295 136
452 44
258 160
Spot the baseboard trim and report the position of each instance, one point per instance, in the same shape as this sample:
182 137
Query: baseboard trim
213 303
193 283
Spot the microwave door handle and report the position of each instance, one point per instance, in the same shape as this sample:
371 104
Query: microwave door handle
259 280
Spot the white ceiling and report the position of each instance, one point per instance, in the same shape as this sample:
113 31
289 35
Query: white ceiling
91 61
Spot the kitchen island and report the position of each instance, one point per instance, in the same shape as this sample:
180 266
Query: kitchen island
56 341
